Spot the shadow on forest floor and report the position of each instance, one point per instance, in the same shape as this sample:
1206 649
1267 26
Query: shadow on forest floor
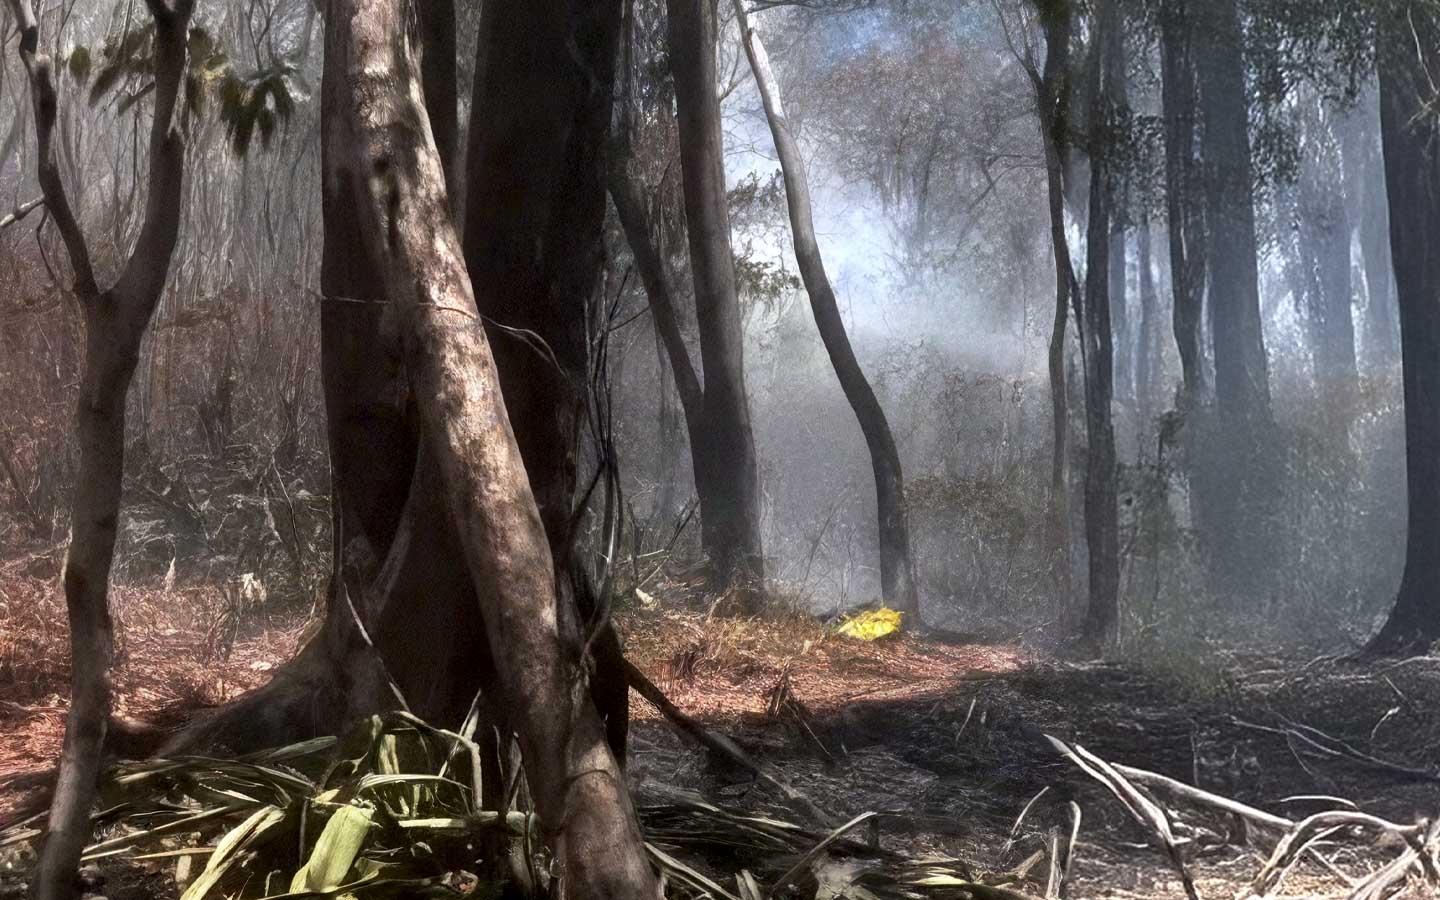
945 741
953 764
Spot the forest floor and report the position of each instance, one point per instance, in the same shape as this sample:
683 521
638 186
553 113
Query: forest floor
945 741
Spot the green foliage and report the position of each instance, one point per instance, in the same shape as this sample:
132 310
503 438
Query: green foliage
247 104
257 103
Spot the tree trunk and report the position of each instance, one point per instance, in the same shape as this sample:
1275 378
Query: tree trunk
1188 235
1409 52
1324 243
535 173
897 572
1147 357
395 171
115 324
1242 387
726 473
1102 527
1124 334
1052 100
1370 217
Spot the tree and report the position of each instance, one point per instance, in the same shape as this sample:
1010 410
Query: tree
1409 54
1102 527
1189 243
1323 235
1370 217
726 474
1242 386
115 323
535 176
897 572
384 151
1052 90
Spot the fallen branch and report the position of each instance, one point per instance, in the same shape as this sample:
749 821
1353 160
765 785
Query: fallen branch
1337 749
1205 798
1141 807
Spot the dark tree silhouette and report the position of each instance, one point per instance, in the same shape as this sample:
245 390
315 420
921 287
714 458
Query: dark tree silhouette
1409 55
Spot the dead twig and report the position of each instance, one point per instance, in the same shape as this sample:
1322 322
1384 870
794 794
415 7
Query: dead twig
1141 807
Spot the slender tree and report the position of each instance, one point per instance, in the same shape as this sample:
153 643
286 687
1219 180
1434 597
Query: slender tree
1409 57
1188 236
725 459
115 323
1147 357
897 572
1051 86
1102 528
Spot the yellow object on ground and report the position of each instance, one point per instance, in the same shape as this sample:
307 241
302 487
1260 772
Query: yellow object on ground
872 624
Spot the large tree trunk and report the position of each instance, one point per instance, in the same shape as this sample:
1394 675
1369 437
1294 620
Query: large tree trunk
423 617
1242 387
1188 236
1102 527
115 323
1409 55
726 473
535 175
897 572
394 169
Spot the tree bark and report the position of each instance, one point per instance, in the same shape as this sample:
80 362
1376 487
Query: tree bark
726 472
1147 358
395 171
1409 54
897 572
535 175
1052 101
1188 236
115 323
1242 387
1324 234
1370 217
1102 529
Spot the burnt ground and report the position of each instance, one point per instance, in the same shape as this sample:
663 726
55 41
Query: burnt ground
945 740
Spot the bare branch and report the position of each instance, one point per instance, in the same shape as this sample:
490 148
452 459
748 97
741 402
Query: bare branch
45 103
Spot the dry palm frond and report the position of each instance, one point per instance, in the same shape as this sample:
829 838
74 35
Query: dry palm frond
392 810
